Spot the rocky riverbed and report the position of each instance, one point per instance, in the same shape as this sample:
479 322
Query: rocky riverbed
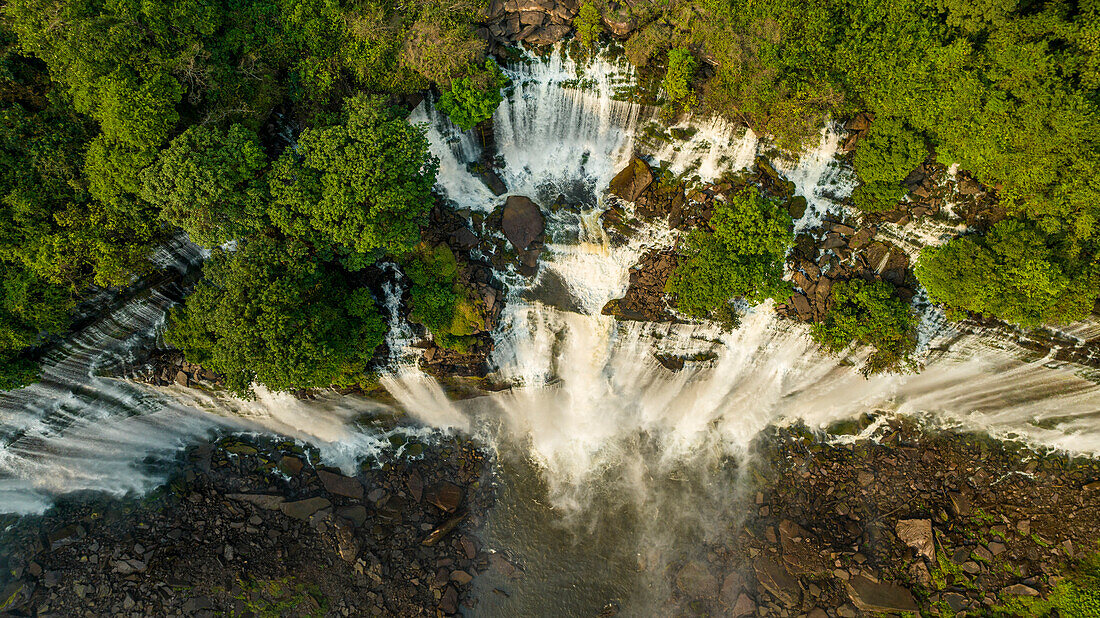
904 519
259 528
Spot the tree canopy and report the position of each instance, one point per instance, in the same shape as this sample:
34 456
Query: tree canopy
867 313
363 182
741 256
280 313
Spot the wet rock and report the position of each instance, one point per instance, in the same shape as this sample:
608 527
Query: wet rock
744 606
917 533
802 553
448 603
732 587
870 596
340 485
632 181
415 484
696 581
777 581
263 501
442 531
66 536
304 509
504 567
290 465
960 504
521 221
445 495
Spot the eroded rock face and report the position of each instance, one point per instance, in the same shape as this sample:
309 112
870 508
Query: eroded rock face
522 221
536 22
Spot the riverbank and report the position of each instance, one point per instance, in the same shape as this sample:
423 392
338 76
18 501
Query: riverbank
914 520
879 516
257 527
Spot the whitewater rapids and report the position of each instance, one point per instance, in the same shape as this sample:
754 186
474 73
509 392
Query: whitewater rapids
586 389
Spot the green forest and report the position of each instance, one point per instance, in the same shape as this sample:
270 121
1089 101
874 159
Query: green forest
124 122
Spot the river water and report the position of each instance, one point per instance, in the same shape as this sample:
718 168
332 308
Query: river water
611 465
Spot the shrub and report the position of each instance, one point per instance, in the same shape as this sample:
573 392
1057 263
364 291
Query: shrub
438 302
869 314
475 97
742 257
588 25
1012 274
677 81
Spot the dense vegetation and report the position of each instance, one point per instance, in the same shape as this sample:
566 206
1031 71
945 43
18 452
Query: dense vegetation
267 123
741 256
869 314
272 123
1007 90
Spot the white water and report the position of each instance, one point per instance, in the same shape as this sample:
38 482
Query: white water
587 389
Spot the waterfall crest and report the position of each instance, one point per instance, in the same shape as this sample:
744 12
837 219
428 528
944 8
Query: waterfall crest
586 389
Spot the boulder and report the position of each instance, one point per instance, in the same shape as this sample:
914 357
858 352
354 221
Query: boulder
263 501
775 579
548 35
304 509
1020 590
445 495
521 221
744 606
632 181
869 596
696 581
340 485
801 552
917 533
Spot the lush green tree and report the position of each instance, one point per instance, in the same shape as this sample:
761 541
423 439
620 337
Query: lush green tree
210 183
438 302
868 313
475 97
886 155
363 182
588 25
677 81
1013 274
29 308
279 313
741 256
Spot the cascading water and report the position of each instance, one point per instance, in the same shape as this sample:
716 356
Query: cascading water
597 433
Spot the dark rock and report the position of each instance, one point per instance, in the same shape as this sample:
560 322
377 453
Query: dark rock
290 465
777 581
522 222
632 181
66 536
443 530
415 485
304 509
445 495
263 501
869 596
341 485
492 181
448 603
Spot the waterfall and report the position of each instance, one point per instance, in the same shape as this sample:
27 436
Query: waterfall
588 393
